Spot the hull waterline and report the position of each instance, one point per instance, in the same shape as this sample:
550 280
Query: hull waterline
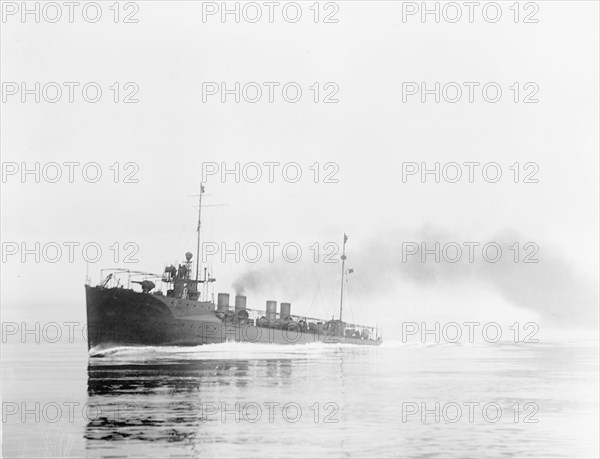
123 317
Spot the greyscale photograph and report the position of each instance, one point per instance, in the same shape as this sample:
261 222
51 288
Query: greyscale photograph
301 229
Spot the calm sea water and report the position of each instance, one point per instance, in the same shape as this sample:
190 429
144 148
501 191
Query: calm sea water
249 400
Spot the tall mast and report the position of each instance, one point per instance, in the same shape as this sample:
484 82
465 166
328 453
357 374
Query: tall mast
343 257
198 230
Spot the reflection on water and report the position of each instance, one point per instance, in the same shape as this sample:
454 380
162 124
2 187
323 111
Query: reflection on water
150 402
250 400
193 401
241 401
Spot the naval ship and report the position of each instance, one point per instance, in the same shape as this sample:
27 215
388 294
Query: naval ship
123 310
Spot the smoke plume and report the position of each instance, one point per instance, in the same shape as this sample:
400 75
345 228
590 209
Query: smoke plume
551 287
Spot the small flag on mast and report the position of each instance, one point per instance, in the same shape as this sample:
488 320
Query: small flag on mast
345 238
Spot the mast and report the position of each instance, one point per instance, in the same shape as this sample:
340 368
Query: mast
198 230
343 257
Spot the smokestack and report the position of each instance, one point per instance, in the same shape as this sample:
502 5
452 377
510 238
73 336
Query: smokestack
285 310
271 310
240 303
223 302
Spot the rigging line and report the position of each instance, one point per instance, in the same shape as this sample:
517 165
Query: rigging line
349 299
182 233
187 244
317 291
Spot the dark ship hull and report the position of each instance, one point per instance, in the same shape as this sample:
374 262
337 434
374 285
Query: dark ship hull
123 317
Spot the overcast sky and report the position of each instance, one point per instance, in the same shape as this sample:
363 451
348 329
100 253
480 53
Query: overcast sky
170 52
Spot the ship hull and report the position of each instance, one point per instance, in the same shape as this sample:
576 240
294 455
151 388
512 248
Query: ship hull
122 317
